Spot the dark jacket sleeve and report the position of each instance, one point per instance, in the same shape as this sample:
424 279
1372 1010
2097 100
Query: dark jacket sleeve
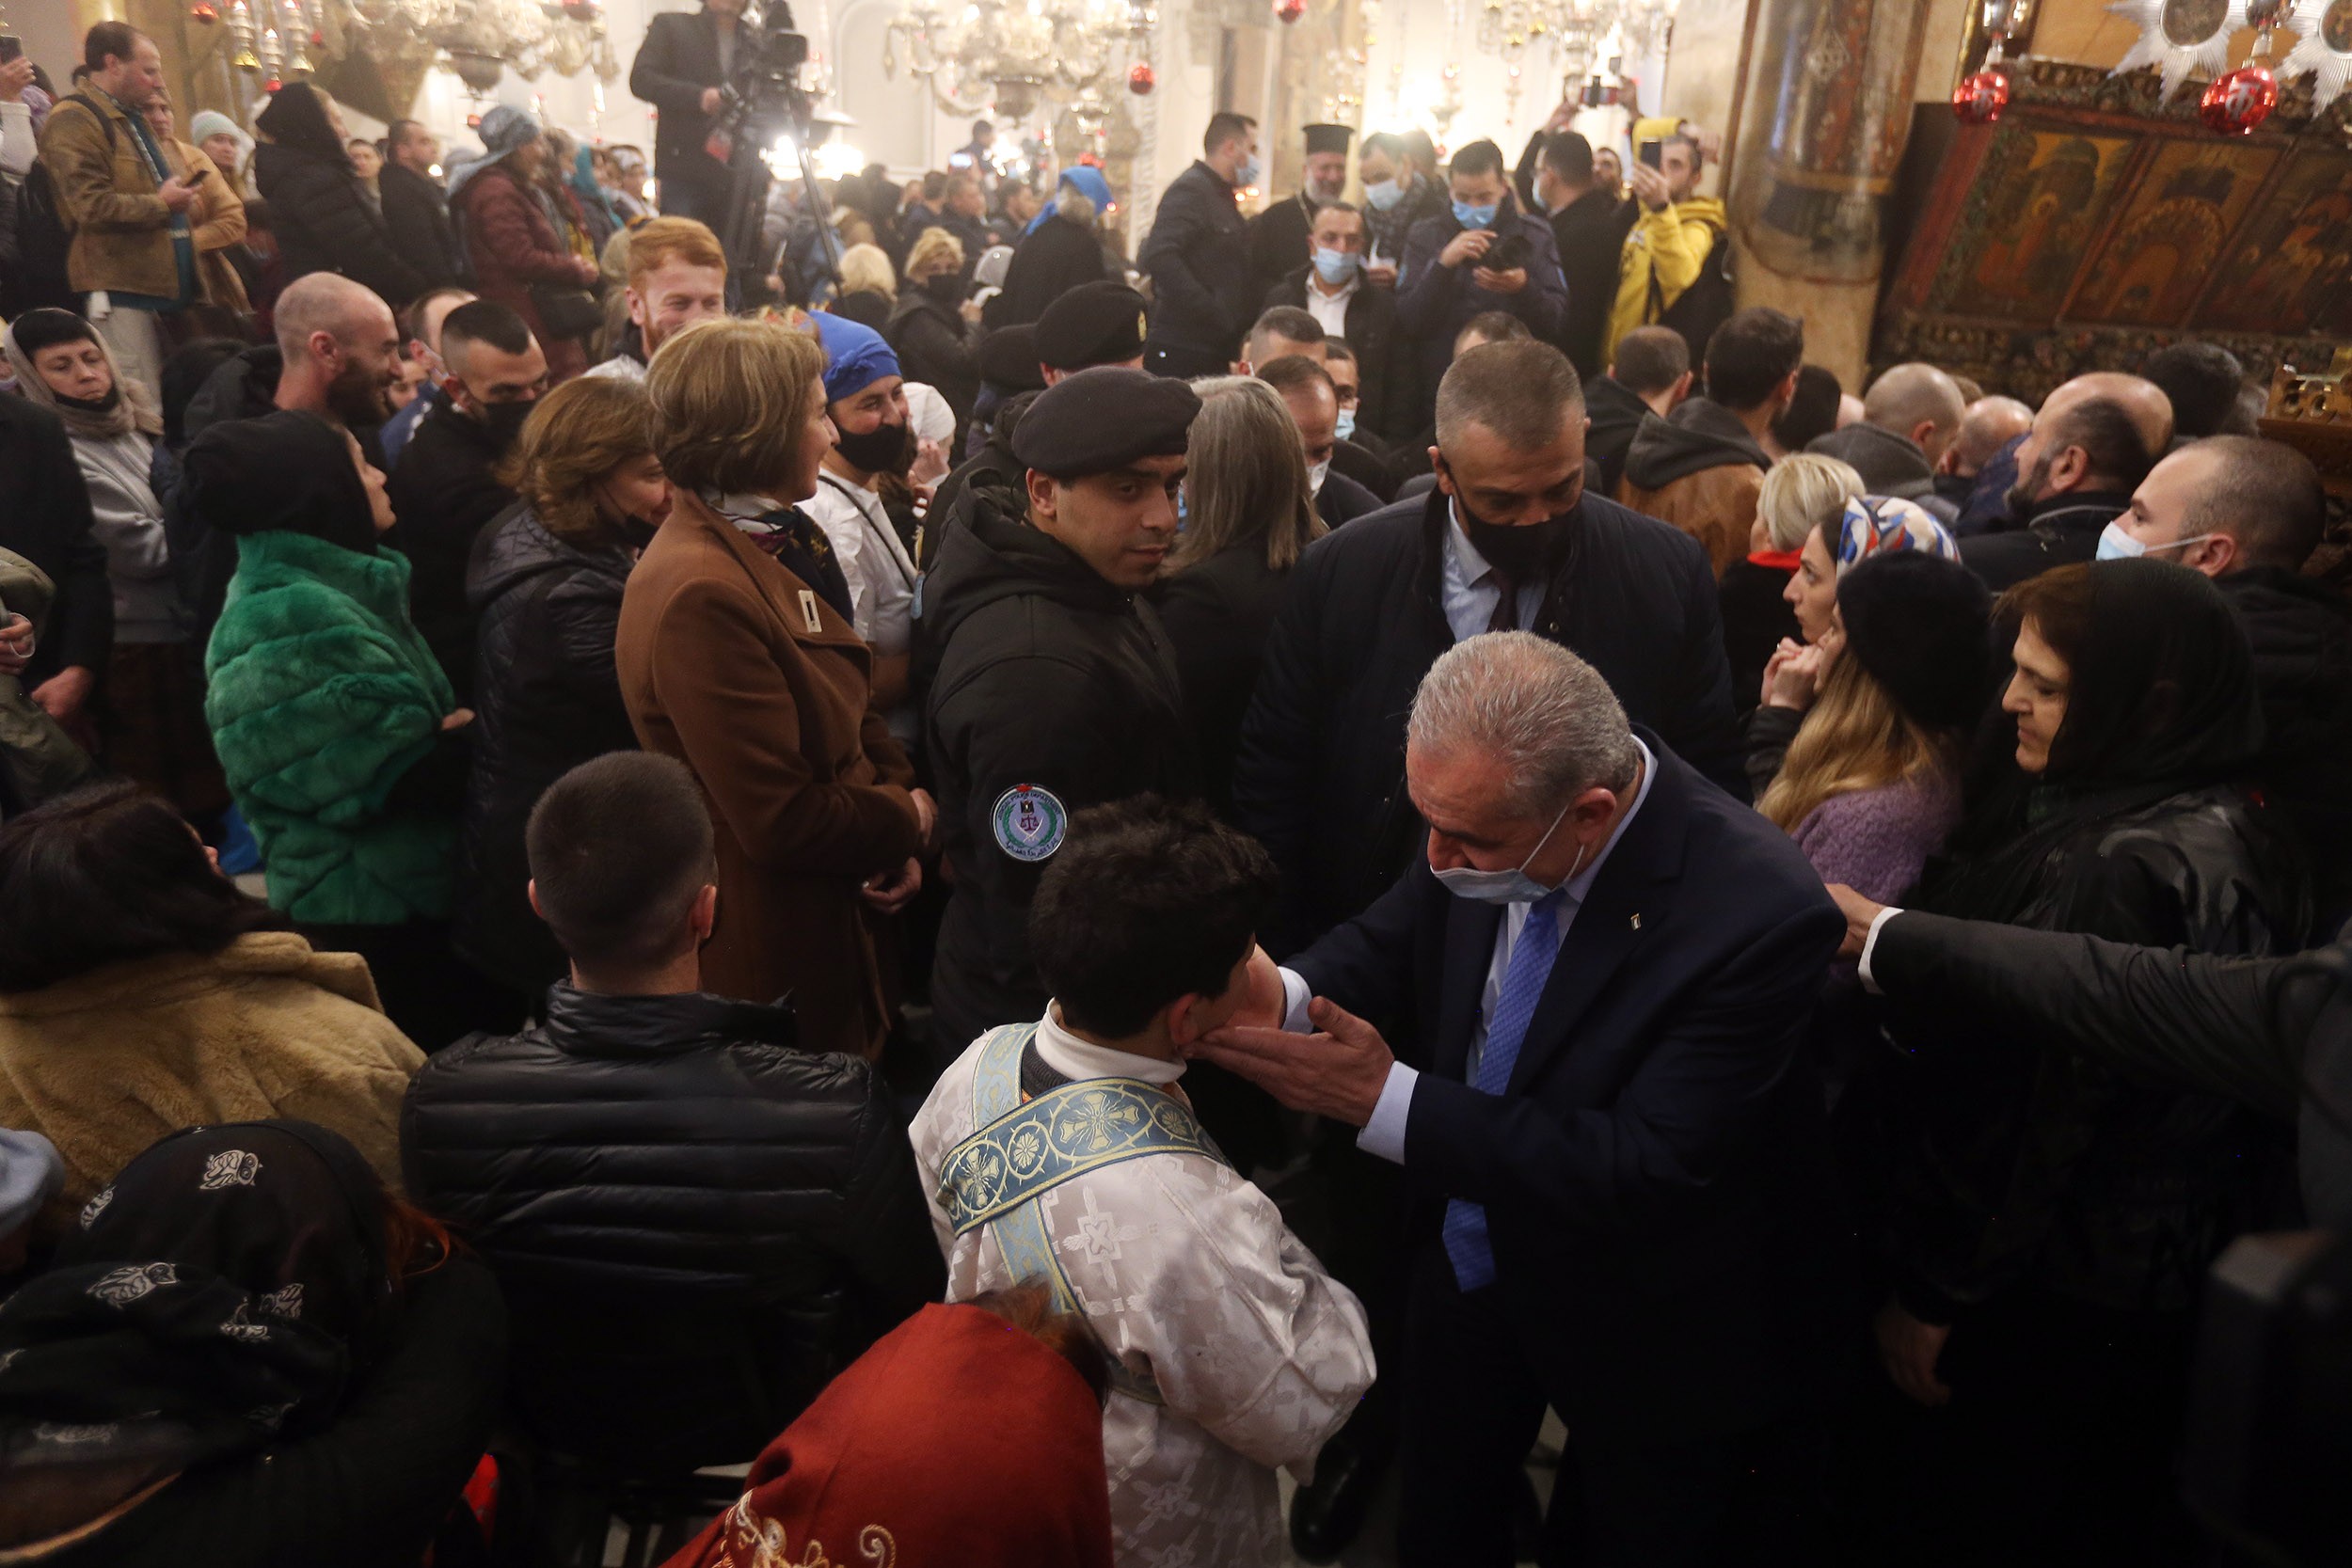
1178 223
1698 723
1689 1107
654 74
370 1490
2230 1027
420 227
1424 290
1543 304
1366 966
81 625
342 231
1769 731
1274 769
887 1225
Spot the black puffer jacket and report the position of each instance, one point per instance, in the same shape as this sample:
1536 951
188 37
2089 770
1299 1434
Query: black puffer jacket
696 1222
545 701
444 493
325 223
935 347
2302 633
2013 1163
1039 673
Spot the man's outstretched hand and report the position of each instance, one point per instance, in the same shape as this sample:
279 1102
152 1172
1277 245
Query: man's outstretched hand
1337 1071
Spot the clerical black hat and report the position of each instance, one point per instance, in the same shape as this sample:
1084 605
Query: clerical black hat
1008 359
1094 323
1328 138
1104 419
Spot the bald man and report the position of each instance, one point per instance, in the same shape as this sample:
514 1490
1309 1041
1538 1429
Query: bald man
2092 442
1908 418
1988 424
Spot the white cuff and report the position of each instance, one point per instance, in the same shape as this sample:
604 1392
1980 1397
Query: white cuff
1384 1135
1869 943
1294 999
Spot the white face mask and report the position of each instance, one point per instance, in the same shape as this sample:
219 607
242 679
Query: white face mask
1315 472
2116 542
1385 194
1509 887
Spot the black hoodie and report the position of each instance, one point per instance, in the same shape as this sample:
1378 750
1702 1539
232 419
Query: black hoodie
1617 415
1038 673
1698 435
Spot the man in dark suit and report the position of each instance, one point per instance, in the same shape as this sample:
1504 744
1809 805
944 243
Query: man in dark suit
1584 226
1332 284
686 58
1508 539
1198 256
1596 978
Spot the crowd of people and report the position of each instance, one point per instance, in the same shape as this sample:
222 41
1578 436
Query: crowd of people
1025 890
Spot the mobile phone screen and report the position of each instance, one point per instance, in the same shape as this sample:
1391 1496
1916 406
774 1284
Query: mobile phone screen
1651 152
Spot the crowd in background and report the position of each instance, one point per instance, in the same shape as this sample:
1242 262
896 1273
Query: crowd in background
560 797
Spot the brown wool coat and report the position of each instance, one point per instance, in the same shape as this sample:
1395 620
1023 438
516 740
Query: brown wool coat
808 794
216 222
107 1063
121 228
1715 506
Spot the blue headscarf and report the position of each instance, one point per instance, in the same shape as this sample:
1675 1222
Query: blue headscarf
856 356
593 198
1088 182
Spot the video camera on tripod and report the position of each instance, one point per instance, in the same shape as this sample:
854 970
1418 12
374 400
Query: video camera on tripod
762 104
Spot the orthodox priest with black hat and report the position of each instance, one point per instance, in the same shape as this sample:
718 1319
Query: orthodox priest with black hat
1049 684
1278 236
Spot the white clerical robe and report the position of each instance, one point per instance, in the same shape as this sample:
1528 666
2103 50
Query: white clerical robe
1187 1274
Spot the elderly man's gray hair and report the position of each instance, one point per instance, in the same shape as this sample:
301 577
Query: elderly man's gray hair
1544 714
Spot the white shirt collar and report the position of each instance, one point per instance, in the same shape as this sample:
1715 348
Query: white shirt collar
1075 1058
1314 285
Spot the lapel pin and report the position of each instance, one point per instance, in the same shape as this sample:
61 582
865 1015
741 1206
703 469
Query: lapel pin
1637 922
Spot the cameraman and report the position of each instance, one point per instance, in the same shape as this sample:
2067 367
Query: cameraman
686 56
2273 1033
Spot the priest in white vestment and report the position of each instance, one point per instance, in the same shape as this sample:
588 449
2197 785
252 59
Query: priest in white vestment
1063 1150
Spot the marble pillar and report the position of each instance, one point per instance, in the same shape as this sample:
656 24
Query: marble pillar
1823 122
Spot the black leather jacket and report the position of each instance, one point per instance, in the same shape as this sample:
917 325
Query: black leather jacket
2008 1160
697 1223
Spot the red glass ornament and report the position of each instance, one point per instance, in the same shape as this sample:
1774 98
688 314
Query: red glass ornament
272 86
1979 99
473 123
2239 99
204 12
1141 78
1287 11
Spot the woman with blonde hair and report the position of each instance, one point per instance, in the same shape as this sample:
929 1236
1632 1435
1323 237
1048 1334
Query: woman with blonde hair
934 331
545 588
1869 787
869 286
1799 493
737 654
1249 515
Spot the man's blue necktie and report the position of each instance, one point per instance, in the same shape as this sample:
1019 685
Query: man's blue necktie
1465 1230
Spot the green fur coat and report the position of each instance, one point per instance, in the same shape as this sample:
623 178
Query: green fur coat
322 696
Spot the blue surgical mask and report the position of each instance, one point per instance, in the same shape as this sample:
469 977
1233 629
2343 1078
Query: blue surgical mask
1336 266
1346 429
1384 194
1508 887
1248 171
1474 217
2117 543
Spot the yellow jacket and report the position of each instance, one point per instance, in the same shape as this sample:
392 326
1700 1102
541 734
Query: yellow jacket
1670 243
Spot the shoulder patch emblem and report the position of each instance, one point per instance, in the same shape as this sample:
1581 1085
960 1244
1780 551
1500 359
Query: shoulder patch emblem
1029 822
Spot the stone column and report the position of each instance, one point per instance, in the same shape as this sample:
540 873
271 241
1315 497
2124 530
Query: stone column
1822 125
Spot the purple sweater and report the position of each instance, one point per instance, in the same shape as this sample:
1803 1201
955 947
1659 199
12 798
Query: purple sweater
1876 841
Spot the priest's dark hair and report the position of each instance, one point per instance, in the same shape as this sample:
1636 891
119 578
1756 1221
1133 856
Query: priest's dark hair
105 874
1147 901
620 846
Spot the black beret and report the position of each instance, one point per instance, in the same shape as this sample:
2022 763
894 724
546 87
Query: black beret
1328 138
1104 419
1917 624
1008 359
1094 323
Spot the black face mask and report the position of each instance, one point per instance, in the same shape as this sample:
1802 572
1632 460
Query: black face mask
886 449
91 405
1524 552
504 421
946 288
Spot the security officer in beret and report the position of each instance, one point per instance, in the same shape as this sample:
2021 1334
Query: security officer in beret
1049 684
1094 323
1279 236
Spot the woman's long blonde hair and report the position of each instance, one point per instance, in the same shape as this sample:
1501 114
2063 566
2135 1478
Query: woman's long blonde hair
1855 738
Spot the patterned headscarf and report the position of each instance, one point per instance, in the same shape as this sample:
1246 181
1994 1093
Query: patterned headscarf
226 1293
1878 525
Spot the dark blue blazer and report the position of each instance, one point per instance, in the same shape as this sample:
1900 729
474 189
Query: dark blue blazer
1652 1180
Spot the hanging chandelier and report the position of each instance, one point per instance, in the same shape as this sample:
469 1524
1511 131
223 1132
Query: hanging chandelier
1584 38
1013 55
483 38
